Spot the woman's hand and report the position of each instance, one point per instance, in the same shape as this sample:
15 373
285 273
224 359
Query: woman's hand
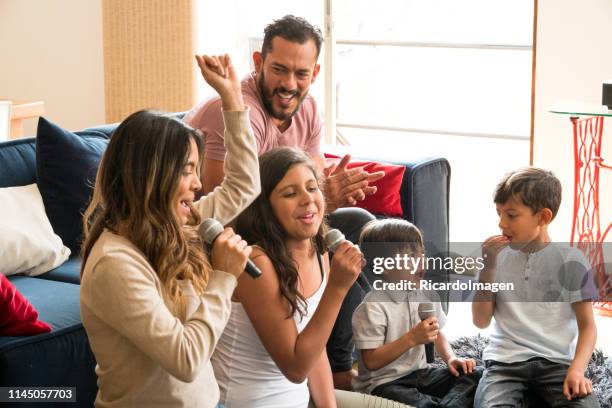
230 253
219 73
346 266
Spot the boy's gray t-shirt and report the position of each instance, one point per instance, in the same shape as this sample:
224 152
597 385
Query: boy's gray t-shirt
381 319
537 318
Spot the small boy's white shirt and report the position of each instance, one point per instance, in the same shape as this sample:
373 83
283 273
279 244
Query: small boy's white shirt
381 319
537 319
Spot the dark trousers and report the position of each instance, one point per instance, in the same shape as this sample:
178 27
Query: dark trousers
432 387
509 384
340 344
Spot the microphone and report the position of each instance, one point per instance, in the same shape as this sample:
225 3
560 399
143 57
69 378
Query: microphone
332 240
210 229
426 310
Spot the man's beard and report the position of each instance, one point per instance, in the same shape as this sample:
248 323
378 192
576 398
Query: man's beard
267 96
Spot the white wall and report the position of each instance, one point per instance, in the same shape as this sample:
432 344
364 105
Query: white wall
573 59
52 51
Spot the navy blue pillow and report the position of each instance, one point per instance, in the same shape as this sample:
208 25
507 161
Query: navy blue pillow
66 166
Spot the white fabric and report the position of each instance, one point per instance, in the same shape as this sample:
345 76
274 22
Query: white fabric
5 120
247 375
348 399
28 244
524 326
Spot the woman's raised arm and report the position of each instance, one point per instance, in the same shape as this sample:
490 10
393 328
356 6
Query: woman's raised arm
241 184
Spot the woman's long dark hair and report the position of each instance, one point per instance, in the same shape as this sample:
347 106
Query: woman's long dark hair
258 224
136 183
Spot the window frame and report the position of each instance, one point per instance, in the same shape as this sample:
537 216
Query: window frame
332 134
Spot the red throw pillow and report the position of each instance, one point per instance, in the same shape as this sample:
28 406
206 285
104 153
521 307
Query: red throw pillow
17 316
386 200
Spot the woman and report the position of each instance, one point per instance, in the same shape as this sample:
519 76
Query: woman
152 304
275 338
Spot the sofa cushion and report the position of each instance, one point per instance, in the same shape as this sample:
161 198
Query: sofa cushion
27 242
66 166
17 162
387 200
69 271
17 316
44 295
60 358
424 192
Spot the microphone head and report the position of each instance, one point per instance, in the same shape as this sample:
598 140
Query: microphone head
210 229
426 309
333 238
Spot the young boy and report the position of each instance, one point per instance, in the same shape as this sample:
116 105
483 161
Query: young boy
390 335
543 332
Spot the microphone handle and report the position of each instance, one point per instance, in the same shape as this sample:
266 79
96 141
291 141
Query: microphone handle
362 281
252 269
429 353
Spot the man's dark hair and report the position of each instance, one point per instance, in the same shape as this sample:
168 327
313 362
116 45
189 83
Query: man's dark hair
537 188
291 28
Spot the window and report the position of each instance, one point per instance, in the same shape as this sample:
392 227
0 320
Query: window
415 78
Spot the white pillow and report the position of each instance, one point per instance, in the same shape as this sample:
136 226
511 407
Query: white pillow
28 244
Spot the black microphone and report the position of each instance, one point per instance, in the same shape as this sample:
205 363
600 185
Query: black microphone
333 239
426 310
210 229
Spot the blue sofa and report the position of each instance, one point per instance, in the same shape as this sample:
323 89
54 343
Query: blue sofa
63 357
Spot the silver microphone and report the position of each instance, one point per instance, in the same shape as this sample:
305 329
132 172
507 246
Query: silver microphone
210 229
332 240
426 310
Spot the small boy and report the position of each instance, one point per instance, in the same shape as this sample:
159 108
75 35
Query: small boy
543 332
390 335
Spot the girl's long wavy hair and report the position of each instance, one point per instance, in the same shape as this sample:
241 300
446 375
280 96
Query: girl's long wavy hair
135 186
258 224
